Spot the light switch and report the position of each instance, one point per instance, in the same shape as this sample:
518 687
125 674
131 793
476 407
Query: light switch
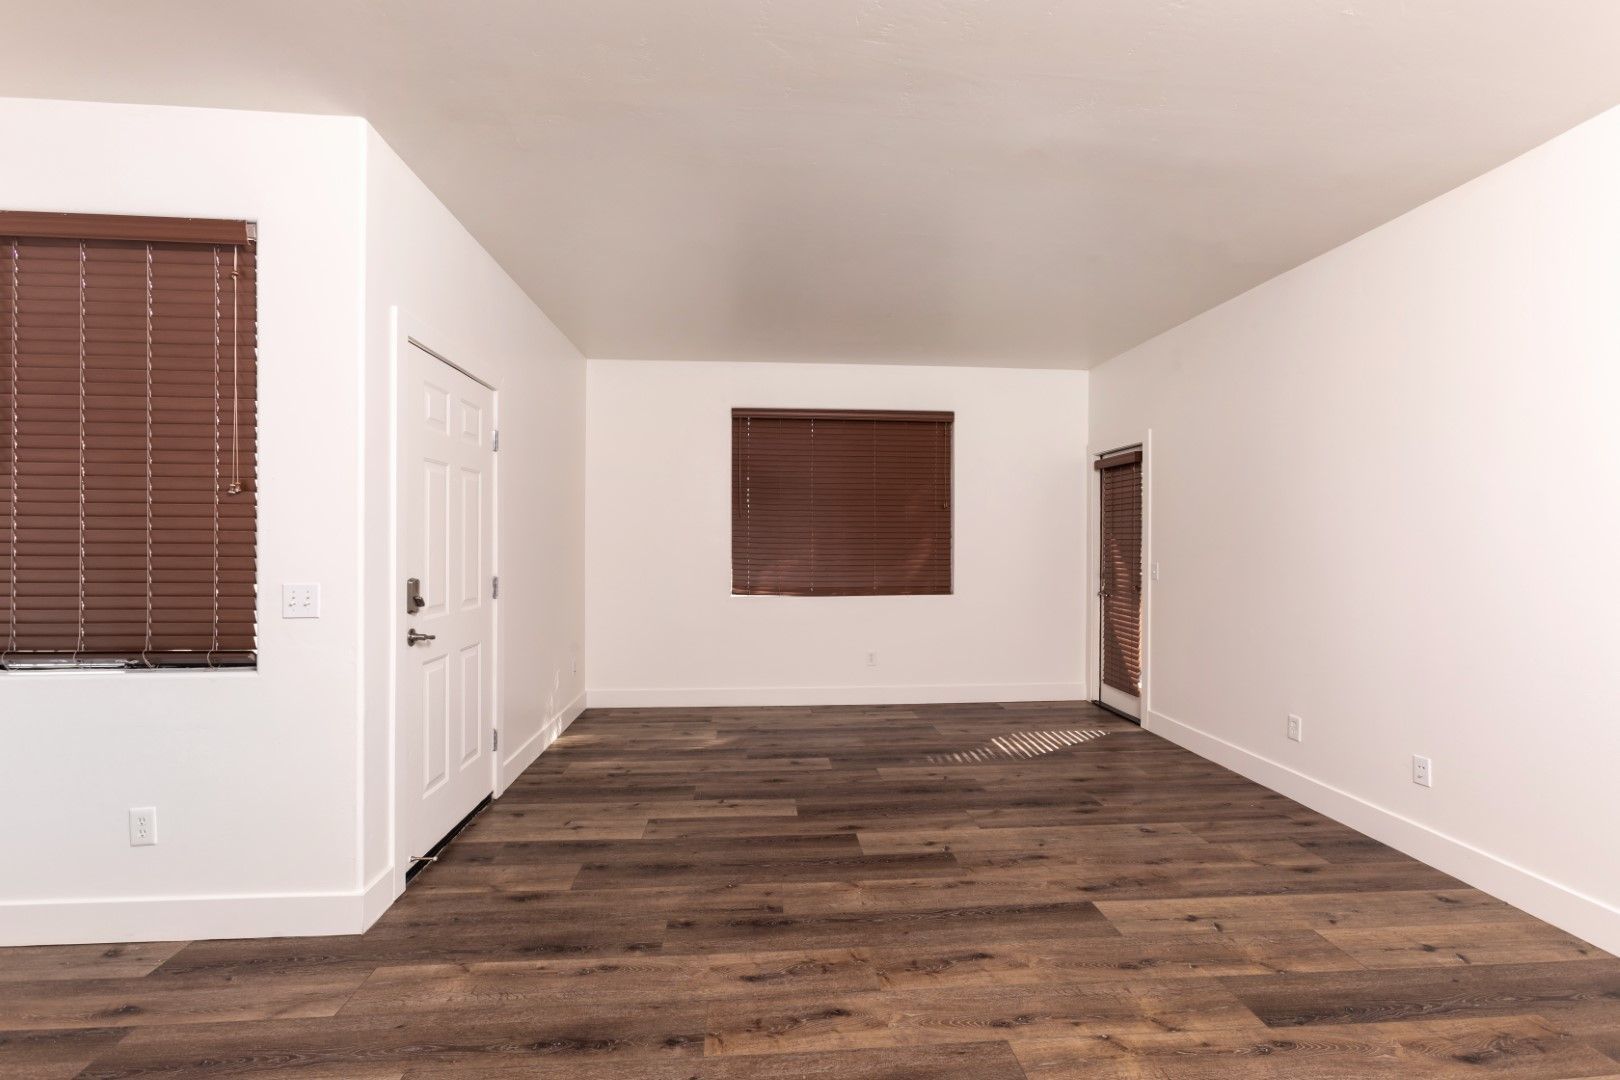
302 601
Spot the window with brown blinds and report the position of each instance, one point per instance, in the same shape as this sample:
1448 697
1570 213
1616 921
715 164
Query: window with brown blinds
840 502
127 442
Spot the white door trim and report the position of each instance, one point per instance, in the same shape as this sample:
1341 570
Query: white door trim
1093 679
407 332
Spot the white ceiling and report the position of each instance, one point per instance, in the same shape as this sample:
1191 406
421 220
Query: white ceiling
1015 182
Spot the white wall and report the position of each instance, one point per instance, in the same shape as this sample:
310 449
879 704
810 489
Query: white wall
274 788
1385 496
664 628
426 276
253 774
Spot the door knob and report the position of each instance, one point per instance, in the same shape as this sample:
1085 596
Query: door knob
414 638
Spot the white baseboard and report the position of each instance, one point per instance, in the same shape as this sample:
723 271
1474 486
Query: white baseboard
523 755
1569 909
379 896
720 697
85 922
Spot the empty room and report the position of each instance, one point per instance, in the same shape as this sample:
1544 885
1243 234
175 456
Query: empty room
809 539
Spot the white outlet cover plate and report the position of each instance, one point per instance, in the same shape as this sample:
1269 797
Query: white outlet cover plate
139 835
301 600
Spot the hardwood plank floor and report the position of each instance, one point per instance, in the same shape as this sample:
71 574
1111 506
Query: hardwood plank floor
946 892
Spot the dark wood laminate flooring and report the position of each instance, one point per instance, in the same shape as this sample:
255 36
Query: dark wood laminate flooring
945 892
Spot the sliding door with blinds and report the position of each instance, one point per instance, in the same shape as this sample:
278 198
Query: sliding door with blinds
1119 580
127 442
840 502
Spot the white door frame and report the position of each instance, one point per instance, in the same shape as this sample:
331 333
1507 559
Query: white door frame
408 333
1094 566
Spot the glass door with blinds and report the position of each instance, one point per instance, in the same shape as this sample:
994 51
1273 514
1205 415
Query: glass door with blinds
1119 581
127 442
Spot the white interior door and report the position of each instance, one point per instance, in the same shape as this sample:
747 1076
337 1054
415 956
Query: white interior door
445 706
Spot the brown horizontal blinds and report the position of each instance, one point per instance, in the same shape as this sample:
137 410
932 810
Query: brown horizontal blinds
840 502
1121 571
127 442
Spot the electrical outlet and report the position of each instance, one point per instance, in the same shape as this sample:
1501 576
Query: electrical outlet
1296 728
1422 771
142 826
1155 574
871 659
301 601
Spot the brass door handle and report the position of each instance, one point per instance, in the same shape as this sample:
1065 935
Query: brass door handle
414 638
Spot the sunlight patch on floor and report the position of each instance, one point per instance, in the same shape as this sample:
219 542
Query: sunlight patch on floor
1018 744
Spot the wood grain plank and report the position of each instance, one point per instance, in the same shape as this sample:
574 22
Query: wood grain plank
931 1017
1109 961
35 963
1525 1047
503 984
1520 942
1585 992
55 1053
550 1037
1224 914
962 1061
853 929
103 1003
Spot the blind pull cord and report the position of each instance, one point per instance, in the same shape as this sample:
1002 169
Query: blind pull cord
16 418
236 395
84 584
146 647
213 641
873 581
813 569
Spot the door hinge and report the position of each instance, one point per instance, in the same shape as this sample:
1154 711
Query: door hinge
495 441
495 587
495 738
